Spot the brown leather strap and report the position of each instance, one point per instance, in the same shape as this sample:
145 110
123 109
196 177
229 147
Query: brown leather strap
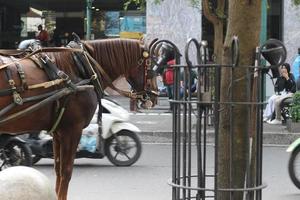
43 50
46 84
20 72
109 81
34 107
12 52
63 49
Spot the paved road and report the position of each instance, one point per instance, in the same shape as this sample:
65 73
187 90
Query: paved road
146 180
156 124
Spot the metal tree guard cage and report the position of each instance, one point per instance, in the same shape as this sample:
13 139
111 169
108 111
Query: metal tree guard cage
195 174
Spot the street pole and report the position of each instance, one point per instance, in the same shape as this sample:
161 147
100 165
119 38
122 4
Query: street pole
263 36
88 18
264 13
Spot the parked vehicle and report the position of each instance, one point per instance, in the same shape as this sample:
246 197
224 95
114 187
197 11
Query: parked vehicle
119 141
294 162
13 152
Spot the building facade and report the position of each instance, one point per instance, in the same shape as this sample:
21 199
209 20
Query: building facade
291 29
174 20
178 20
10 22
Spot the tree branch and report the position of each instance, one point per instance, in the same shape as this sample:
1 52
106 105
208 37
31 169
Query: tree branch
296 2
213 17
220 11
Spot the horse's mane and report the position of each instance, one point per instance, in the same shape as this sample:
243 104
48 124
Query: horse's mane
116 56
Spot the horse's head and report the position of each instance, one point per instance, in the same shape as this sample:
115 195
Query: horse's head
143 80
128 58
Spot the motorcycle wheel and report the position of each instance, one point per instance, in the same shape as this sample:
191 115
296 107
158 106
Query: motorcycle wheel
35 159
123 148
14 154
294 167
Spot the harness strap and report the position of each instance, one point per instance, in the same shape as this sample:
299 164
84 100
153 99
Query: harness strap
84 66
109 81
86 62
16 96
60 113
12 52
58 95
3 111
57 121
62 49
57 73
9 91
47 66
20 72
81 66
42 50
46 84
96 80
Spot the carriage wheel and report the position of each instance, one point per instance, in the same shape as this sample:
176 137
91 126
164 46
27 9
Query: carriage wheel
294 167
15 153
123 148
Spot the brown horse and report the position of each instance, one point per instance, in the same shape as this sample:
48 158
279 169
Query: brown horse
117 57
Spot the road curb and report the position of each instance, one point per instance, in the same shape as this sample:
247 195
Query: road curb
269 138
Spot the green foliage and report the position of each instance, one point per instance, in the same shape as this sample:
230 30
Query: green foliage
295 109
196 3
296 2
140 3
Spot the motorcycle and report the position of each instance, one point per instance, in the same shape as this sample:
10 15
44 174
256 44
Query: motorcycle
294 162
13 152
119 141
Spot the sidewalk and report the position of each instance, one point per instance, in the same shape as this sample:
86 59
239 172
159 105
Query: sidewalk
161 130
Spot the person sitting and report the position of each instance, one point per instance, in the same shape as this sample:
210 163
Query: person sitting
190 87
285 86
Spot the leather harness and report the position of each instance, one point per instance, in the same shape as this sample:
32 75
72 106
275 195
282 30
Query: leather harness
85 65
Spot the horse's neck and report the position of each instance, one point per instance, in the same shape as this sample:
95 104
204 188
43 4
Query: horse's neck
113 74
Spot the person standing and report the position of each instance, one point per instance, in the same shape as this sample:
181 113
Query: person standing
42 36
168 79
296 69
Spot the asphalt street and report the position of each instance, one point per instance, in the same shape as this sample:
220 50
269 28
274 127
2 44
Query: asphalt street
147 179
156 124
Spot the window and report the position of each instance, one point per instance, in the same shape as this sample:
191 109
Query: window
274 19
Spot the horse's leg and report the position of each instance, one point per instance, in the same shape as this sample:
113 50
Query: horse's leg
69 141
56 152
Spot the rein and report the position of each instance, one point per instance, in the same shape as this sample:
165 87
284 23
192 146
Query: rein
41 50
70 87
129 94
49 97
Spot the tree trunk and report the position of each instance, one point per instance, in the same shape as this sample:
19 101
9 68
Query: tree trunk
218 41
244 22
